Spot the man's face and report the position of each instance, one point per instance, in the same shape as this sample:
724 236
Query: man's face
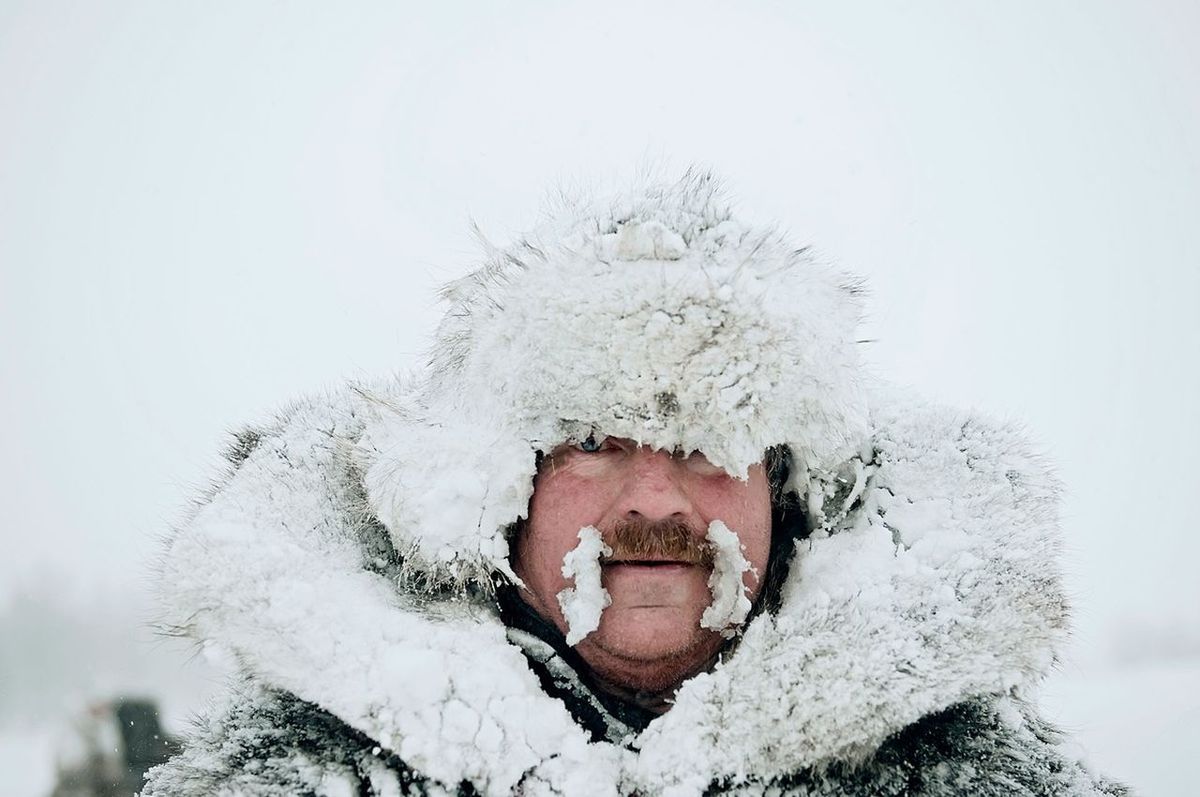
650 637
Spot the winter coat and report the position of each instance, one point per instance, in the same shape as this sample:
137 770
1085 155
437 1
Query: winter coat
354 561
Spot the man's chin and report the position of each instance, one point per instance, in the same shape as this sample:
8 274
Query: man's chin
648 648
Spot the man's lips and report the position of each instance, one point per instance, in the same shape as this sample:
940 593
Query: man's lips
649 564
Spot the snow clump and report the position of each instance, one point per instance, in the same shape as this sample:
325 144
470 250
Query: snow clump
582 605
731 603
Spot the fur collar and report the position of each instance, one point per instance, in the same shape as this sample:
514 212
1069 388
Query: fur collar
939 583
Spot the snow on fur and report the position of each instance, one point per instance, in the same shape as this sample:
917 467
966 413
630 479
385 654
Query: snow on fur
273 569
583 603
875 633
941 584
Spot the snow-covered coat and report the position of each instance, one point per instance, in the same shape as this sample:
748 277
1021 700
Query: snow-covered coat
349 562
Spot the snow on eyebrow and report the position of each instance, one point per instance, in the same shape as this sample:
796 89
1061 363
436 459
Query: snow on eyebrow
583 604
730 604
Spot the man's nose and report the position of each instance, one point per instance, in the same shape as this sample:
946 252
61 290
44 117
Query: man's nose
654 487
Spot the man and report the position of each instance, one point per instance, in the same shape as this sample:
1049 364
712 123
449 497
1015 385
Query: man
644 526
655 508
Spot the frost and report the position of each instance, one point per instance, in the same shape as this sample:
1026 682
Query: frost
583 604
730 603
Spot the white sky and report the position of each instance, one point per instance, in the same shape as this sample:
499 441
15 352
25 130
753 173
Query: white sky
206 208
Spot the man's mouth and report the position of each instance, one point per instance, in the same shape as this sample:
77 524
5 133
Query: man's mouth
649 564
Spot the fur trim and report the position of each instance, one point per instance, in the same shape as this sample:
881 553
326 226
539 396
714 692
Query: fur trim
266 743
940 583
954 592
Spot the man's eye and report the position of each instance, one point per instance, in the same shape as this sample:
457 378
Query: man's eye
591 445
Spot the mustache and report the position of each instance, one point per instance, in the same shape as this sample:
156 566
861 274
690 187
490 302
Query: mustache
641 539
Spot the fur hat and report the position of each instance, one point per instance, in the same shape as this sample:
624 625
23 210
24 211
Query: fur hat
655 316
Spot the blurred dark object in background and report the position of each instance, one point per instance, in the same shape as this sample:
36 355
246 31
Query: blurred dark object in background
109 749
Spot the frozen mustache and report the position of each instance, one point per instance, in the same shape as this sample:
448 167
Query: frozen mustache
640 540
583 603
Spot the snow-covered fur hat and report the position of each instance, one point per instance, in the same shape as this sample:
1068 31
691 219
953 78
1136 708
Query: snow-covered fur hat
655 316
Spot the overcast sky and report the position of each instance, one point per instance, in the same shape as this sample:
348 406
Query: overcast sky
207 208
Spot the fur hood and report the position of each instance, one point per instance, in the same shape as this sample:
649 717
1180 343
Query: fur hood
347 560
